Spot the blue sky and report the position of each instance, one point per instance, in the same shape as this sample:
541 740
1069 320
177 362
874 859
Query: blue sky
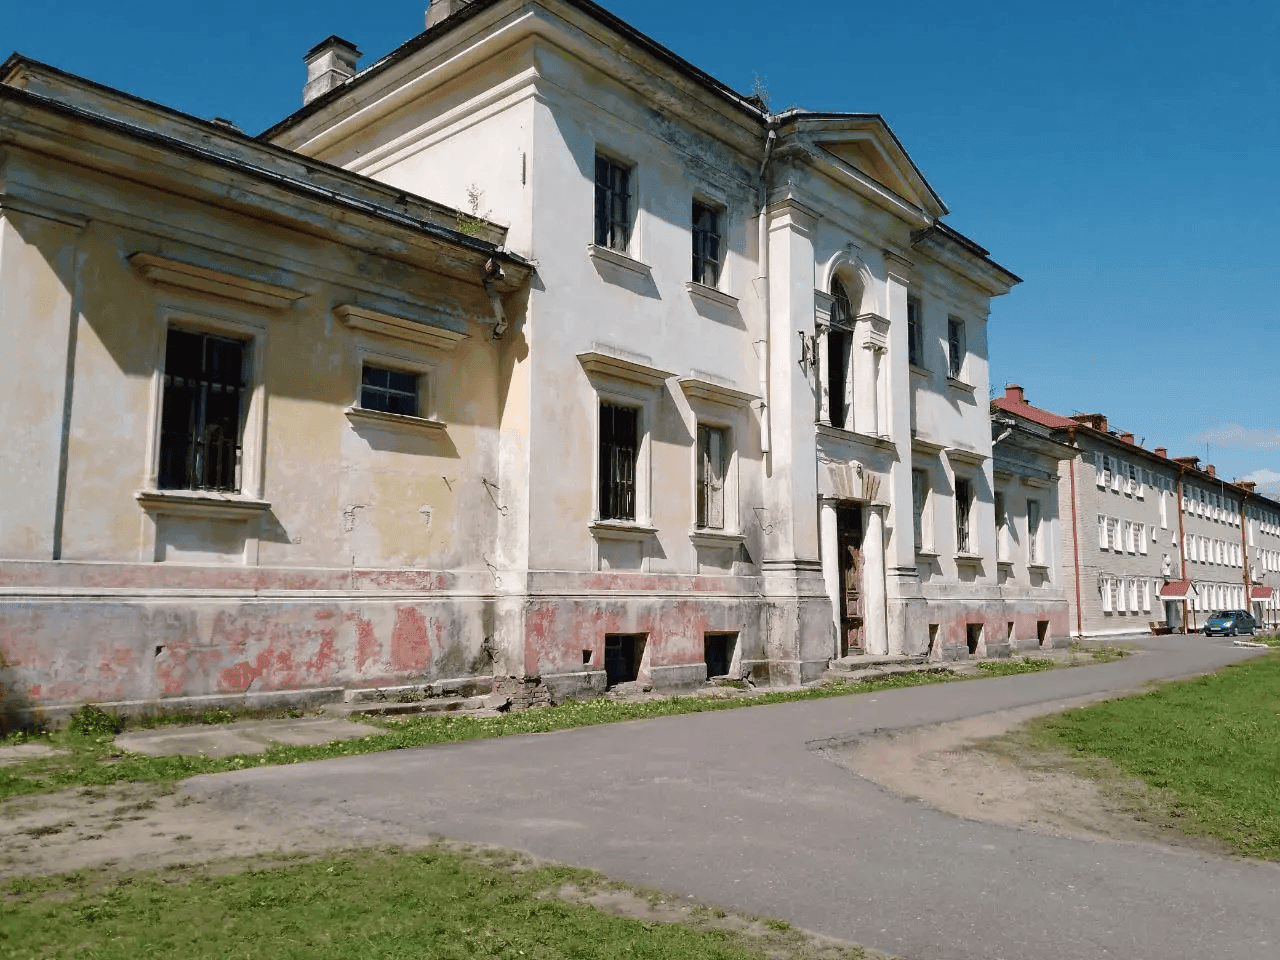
1120 157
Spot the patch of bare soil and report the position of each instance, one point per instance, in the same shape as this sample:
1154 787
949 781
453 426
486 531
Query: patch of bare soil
988 768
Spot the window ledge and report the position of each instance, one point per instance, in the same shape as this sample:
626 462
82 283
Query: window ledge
1038 567
924 553
923 372
621 530
700 291
359 416
716 538
616 258
840 433
969 559
1005 563
957 384
200 503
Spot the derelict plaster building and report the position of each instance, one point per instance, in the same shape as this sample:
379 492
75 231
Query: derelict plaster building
672 386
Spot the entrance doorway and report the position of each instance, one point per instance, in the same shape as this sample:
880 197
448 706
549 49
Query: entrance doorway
849 548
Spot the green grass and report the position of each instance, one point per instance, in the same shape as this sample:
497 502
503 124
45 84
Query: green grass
1209 748
1271 640
376 905
91 758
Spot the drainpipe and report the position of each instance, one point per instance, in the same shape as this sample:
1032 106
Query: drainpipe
1182 549
762 288
1075 541
1244 555
492 275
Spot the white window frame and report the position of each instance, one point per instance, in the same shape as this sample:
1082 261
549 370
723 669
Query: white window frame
405 360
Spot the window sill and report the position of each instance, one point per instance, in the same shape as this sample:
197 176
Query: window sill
923 553
924 373
621 530
616 258
716 538
1005 563
200 503
969 559
360 417
840 433
957 384
1038 567
700 291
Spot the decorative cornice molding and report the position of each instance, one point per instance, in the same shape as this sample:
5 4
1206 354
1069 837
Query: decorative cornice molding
357 317
230 286
696 388
617 368
10 203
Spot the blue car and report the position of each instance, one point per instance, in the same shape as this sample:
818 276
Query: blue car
1229 623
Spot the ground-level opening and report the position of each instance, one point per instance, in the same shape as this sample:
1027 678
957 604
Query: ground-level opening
622 653
1042 631
933 640
1012 635
849 547
718 652
973 634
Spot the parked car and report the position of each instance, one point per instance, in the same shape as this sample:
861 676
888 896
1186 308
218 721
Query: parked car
1229 623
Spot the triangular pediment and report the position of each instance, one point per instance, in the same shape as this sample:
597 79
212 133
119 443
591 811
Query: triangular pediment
865 145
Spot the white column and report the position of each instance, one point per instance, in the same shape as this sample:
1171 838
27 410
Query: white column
874 617
829 548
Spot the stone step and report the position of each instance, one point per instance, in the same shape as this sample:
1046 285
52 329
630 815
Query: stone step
867 660
478 686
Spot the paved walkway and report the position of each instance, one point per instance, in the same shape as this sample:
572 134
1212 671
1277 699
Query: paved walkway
736 808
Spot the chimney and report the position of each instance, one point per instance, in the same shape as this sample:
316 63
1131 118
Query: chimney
330 63
1095 421
438 10
1162 451
1127 437
1210 470
1248 486
1013 392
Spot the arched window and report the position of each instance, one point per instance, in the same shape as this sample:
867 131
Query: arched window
839 357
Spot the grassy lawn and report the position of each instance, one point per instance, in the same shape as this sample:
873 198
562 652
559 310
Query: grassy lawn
439 904
1209 748
91 759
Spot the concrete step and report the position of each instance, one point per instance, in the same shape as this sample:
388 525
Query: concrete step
861 667
866 660
399 708
470 687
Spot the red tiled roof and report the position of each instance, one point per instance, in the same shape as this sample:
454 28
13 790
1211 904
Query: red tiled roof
1260 593
1175 590
1034 414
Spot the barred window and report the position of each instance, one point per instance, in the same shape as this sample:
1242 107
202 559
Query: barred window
201 417
955 348
619 448
712 459
964 506
915 333
839 356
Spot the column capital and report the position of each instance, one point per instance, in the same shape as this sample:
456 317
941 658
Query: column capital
785 210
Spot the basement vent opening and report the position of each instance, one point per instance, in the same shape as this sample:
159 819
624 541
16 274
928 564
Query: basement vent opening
933 640
622 653
1042 631
718 652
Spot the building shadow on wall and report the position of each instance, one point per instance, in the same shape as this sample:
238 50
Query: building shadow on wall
15 707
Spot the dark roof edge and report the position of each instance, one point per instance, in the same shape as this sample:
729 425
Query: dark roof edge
960 240
292 184
426 37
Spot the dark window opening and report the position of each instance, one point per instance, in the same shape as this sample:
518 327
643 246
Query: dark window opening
933 641
622 653
915 334
586 657
839 356
613 204
391 391
706 245
619 447
1042 631
201 412
718 652
964 503
973 635
955 348
712 458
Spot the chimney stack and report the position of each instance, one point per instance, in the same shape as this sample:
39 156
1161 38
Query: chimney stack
1014 393
1210 470
1162 451
438 10
330 63
1096 421
1248 486
1127 437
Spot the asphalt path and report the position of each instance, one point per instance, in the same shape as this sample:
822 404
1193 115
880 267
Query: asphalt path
739 808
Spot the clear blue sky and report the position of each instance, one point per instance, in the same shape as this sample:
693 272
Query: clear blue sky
1120 157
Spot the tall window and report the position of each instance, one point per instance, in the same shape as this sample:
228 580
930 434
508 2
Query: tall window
391 391
839 355
1033 531
613 204
964 507
919 502
712 461
915 333
619 447
955 348
201 418
706 245
1002 529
